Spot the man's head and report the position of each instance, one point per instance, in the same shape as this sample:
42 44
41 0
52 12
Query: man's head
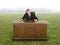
28 11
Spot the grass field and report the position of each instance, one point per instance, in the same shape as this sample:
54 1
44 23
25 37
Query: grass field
6 30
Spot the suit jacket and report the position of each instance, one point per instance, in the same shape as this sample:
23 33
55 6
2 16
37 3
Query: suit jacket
27 17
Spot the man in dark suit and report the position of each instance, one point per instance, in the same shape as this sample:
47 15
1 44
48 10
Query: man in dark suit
29 16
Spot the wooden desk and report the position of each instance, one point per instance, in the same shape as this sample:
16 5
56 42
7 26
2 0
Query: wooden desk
30 30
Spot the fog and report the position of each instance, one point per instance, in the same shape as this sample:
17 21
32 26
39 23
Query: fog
34 5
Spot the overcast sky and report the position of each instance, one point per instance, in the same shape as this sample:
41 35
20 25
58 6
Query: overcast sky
17 4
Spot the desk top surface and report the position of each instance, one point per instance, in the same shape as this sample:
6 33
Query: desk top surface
38 22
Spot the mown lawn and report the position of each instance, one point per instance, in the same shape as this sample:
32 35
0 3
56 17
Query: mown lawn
6 30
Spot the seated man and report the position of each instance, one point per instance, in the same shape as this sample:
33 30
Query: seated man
29 16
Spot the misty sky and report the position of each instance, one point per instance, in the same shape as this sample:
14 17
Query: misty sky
17 4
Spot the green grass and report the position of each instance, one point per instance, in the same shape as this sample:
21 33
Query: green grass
6 30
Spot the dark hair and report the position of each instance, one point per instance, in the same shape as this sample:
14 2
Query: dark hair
27 10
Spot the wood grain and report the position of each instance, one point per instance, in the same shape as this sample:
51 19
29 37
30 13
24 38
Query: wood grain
29 30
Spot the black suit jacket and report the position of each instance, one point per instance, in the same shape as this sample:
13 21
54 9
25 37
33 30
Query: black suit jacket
32 17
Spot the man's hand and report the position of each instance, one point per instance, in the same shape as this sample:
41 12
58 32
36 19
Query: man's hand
35 20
